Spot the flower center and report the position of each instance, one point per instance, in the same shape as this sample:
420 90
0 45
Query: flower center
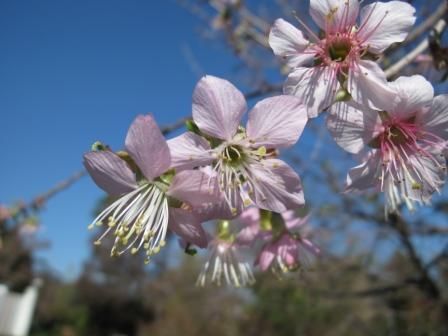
233 155
396 133
339 49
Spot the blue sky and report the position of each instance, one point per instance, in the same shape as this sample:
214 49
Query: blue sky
76 71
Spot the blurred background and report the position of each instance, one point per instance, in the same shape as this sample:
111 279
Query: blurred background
74 72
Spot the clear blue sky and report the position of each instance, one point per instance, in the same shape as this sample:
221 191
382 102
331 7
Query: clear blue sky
76 71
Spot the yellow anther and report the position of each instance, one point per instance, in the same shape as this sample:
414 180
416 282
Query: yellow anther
261 151
416 186
97 242
134 250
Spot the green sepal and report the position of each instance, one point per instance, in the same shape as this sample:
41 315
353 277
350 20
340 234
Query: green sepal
192 127
342 95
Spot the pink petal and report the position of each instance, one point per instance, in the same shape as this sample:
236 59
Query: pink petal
352 126
365 175
384 23
414 93
147 146
277 122
188 151
316 87
435 119
184 224
278 186
334 15
109 172
289 43
265 258
294 222
218 107
194 187
368 86
250 219
248 235
310 246
218 210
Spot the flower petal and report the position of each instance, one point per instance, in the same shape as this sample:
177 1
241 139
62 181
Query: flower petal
110 172
435 119
289 43
184 224
265 258
218 107
334 15
276 122
368 86
316 87
384 23
364 176
414 93
292 221
352 126
194 187
278 187
218 210
250 218
147 147
188 151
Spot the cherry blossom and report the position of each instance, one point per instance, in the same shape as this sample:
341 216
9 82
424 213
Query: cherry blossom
340 65
406 143
225 262
151 199
244 159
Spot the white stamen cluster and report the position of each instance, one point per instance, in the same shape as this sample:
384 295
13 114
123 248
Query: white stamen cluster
138 219
224 263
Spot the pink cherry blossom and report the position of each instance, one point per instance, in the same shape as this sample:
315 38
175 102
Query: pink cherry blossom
243 158
288 246
341 60
150 201
406 140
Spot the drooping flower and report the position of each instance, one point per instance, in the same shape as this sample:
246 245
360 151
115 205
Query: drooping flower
406 143
243 159
224 263
150 199
287 246
341 61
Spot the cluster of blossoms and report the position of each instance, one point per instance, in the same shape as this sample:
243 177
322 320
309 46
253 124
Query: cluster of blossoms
220 170
400 127
214 171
